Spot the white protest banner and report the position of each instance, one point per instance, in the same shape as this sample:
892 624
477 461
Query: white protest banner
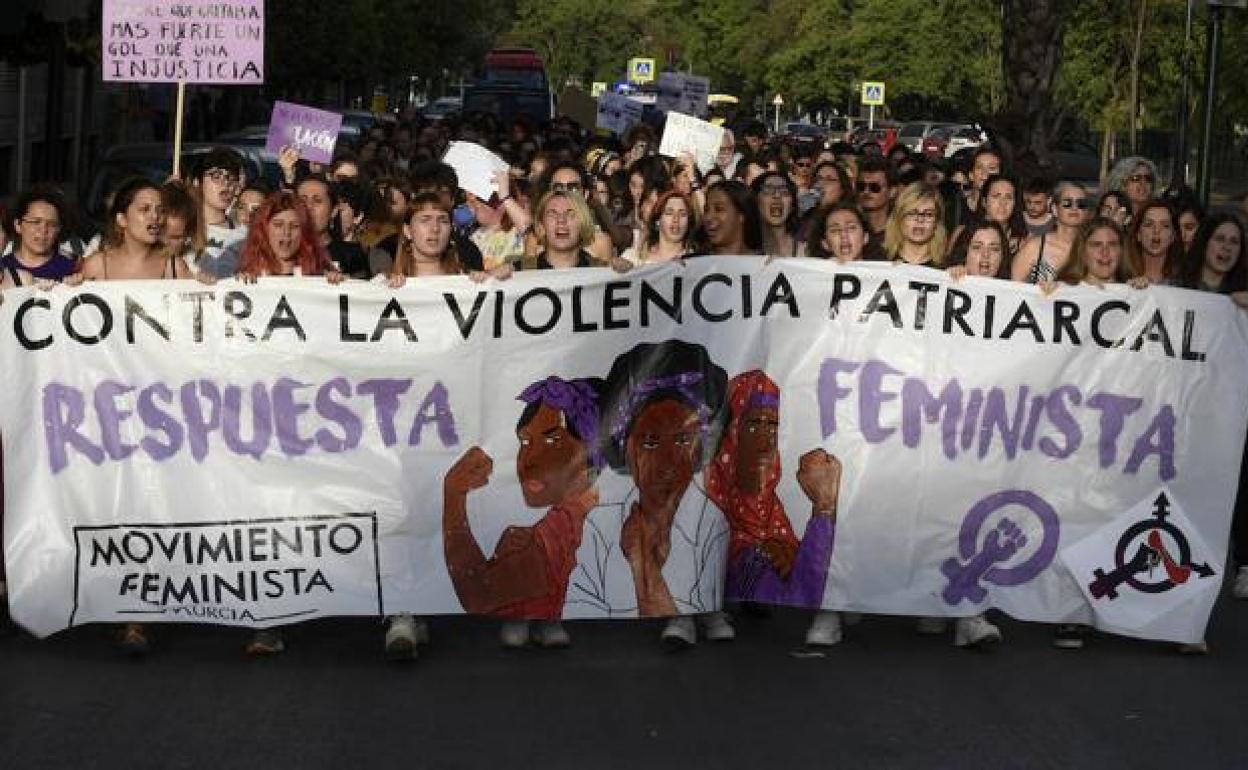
183 41
475 166
861 437
684 134
312 132
617 113
1148 572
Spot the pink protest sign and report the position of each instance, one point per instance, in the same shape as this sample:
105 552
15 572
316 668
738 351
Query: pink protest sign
187 41
311 131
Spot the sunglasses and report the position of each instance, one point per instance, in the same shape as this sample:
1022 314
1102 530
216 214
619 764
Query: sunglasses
871 187
566 187
1148 178
774 189
1076 203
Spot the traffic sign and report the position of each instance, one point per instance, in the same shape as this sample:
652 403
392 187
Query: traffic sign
873 93
641 70
778 101
597 89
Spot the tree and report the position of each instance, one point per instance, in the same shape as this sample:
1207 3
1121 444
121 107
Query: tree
1031 37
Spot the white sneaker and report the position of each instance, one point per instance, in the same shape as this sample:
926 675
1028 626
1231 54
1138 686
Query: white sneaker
679 633
975 631
1240 589
717 627
825 629
514 634
551 634
401 637
931 626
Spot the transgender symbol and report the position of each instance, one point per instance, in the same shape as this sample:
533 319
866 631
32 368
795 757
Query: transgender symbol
987 558
1152 553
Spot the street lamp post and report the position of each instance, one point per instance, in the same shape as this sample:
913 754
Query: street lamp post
1178 176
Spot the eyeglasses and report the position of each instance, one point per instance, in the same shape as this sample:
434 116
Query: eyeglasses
566 187
774 188
871 187
921 216
1076 203
1146 178
221 176
41 224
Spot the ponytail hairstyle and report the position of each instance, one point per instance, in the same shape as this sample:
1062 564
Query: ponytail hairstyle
405 255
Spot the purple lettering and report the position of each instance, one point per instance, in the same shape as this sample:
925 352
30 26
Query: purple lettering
1158 440
159 420
327 407
63 412
918 405
1114 411
110 417
436 408
261 421
871 397
830 392
199 427
385 395
1055 409
286 411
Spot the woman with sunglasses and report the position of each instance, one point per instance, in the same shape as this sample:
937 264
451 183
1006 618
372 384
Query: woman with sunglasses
1136 177
1041 260
776 197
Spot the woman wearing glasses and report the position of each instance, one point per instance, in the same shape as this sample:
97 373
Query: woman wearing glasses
1042 259
1136 177
776 196
36 225
915 234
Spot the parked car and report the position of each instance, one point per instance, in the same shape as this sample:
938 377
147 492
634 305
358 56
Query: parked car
1075 159
802 134
911 135
945 141
154 160
884 137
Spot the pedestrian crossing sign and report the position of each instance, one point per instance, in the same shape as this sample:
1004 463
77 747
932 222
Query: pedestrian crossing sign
641 70
873 93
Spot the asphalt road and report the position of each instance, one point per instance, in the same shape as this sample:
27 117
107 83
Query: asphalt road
885 698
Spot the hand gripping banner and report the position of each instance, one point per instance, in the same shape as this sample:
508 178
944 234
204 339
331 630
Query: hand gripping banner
582 444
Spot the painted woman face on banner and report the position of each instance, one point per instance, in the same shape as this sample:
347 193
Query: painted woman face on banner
662 452
552 463
758 449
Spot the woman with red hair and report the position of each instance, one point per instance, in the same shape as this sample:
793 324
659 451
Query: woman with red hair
283 242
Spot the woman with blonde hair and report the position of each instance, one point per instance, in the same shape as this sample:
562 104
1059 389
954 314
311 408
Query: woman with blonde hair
915 233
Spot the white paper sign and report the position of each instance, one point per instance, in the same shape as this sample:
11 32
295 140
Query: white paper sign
685 134
1148 573
617 113
475 166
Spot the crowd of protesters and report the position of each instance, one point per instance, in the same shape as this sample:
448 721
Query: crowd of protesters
389 210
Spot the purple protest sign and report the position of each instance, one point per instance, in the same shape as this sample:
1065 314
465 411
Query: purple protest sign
311 131
183 41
